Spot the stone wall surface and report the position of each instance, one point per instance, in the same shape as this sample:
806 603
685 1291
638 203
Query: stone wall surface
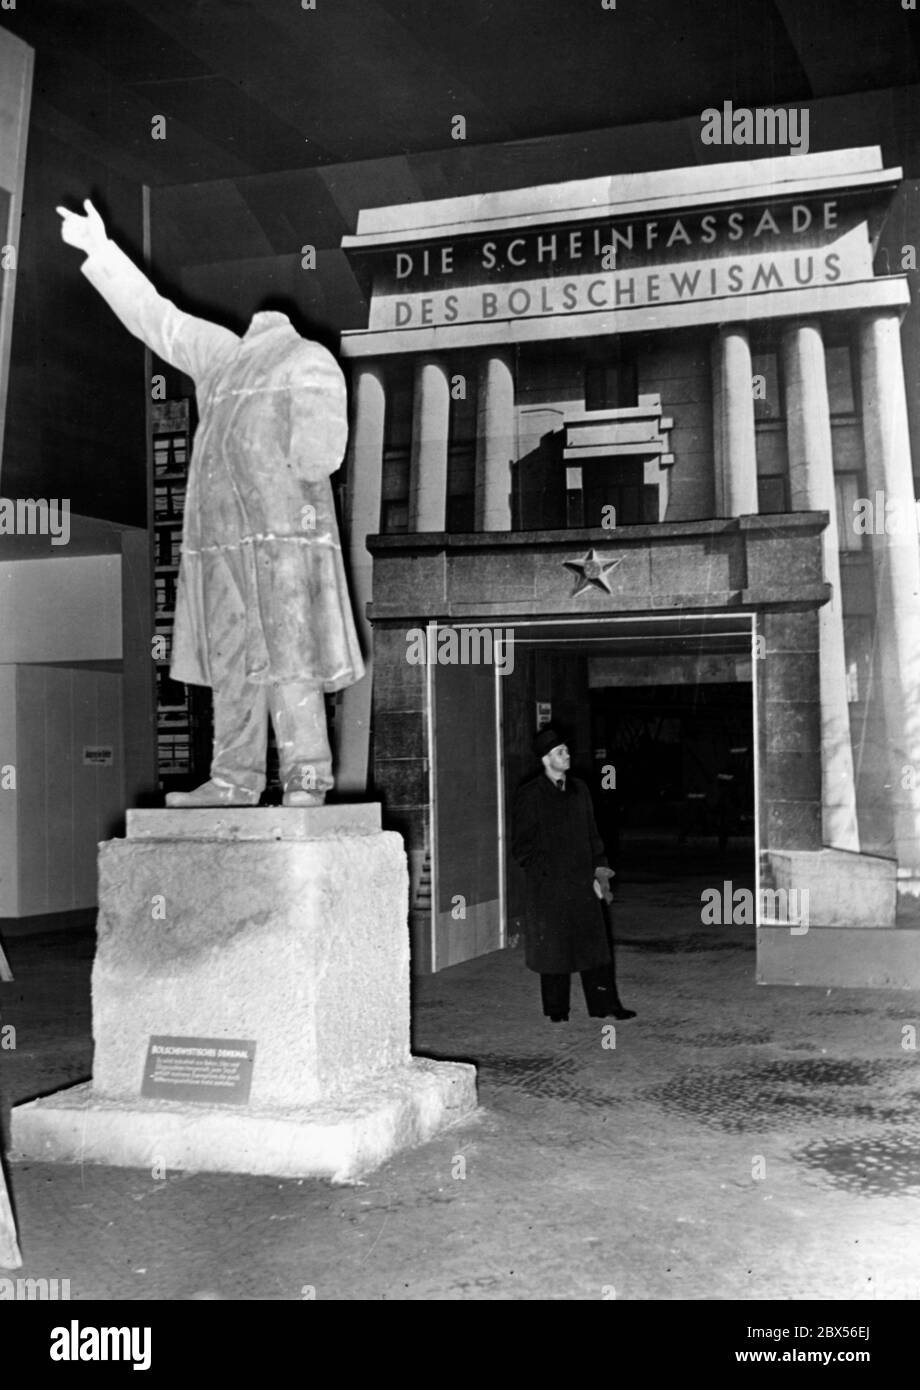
290 944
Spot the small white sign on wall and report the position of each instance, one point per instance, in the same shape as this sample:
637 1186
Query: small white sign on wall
544 713
98 755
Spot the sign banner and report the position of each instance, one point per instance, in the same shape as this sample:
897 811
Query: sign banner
620 267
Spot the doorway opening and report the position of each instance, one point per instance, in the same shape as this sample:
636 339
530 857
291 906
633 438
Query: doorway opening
679 763
659 716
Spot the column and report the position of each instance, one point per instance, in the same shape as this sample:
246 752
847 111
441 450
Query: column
739 468
428 458
896 562
811 474
717 459
365 469
494 442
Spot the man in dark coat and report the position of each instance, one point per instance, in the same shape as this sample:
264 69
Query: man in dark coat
556 842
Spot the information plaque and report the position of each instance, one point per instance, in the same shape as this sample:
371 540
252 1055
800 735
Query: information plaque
206 1071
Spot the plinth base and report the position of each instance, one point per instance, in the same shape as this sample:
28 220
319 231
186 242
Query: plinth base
364 1128
844 889
839 957
10 1257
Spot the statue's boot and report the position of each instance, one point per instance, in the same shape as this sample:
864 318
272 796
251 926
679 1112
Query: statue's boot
214 794
297 795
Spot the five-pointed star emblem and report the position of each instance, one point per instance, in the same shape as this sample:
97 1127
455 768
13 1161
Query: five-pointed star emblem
591 570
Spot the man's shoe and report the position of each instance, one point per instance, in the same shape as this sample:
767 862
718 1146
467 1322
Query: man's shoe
620 1012
558 1018
214 794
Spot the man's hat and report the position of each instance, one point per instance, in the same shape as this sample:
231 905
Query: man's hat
545 741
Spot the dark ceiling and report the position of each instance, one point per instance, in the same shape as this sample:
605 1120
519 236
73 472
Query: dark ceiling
255 86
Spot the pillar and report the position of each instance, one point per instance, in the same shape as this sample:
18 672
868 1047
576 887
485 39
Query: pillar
428 458
739 456
811 474
494 442
718 463
896 564
789 730
365 470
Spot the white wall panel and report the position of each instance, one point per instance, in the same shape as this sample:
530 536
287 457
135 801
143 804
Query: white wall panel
9 803
61 609
65 804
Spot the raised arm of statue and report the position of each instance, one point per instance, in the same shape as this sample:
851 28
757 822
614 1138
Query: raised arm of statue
188 343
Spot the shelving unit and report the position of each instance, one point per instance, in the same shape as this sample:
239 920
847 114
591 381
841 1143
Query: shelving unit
183 712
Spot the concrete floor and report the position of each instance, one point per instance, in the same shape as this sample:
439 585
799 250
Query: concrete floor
738 1142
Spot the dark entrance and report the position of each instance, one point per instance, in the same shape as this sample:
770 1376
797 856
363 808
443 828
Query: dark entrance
661 728
680 765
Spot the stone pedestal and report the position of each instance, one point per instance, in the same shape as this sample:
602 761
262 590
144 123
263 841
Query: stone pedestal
10 1258
854 936
283 927
844 889
840 957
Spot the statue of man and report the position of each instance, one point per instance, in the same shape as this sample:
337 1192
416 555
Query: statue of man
262 608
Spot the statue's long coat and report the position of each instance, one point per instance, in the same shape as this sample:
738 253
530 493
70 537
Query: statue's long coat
259 514
556 842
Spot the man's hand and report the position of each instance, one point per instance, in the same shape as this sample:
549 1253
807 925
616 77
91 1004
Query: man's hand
602 877
86 233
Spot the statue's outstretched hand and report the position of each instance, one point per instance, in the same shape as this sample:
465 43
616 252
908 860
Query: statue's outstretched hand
85 232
